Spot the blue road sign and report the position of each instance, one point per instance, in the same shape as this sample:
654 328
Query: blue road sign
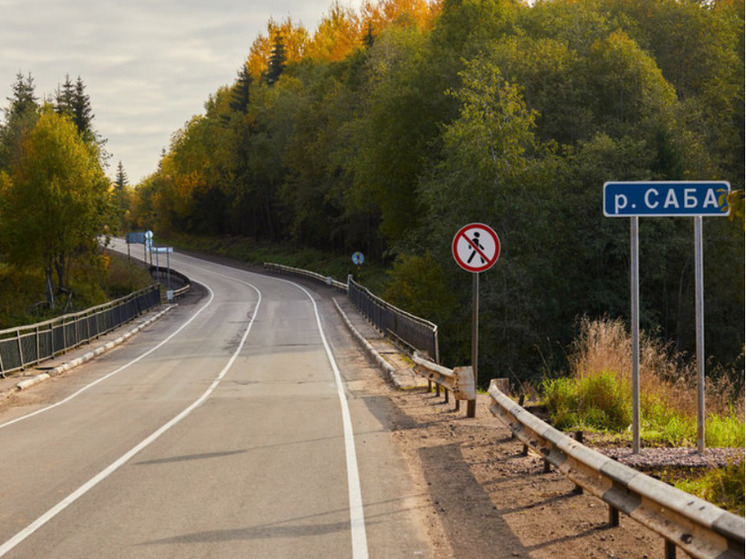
135 238
662 198
358 258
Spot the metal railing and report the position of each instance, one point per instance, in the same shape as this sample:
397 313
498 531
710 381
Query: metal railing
327 280
418 333
692 524
164 276
32 344
460 380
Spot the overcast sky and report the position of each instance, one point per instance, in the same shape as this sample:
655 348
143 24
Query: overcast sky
148 65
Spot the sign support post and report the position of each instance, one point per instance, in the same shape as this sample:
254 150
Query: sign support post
666 199
476 248
471 405
699 305
634 284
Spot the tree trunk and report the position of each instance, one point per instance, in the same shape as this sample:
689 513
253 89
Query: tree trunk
49 288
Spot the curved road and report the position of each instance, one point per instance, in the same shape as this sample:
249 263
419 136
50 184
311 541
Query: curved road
236 426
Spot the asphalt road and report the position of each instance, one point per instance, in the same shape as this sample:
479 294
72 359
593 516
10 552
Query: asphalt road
236 426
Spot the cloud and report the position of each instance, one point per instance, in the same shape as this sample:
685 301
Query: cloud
148 66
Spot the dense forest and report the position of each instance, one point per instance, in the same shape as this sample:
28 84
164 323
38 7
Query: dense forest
388 128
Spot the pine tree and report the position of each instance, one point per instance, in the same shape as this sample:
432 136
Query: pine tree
121 182
81 111
63 98
24 96
369 38
276 61
20 117
240 91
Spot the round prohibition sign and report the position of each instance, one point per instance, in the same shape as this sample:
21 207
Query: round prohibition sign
476 247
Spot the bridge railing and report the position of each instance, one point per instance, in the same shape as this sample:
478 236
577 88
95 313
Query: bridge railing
29 345
415 332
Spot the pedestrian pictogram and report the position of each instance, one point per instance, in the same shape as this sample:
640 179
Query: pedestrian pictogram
476 247
358 258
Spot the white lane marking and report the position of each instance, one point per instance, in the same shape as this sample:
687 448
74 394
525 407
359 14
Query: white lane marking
357 514
83 489
117 371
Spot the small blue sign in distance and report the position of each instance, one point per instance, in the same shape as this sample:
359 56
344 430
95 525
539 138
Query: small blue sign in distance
663 198
135 238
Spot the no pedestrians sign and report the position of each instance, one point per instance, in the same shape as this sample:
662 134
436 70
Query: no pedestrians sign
476 247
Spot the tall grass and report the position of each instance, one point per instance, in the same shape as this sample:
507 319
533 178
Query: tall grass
601 360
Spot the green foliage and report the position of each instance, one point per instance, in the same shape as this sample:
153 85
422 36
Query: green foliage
598 401
495 111
53 201
723 487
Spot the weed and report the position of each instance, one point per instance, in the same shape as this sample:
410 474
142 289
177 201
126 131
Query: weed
723 487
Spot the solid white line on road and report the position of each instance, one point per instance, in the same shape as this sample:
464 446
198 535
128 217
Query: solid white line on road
357 514
83 489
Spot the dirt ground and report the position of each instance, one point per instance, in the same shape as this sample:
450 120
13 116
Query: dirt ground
487 500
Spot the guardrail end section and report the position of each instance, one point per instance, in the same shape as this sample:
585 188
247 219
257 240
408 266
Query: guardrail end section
464 387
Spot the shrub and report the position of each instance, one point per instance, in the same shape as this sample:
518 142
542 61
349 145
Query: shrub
723 487
598 402
598 393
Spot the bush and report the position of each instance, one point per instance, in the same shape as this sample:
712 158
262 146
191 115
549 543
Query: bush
598 394
597 402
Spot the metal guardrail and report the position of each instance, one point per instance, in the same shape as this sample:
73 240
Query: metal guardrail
460 380
32 344
692 524
416 332
161 273
328 280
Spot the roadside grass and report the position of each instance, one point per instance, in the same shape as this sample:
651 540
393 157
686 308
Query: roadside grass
597 398
723 487
597 395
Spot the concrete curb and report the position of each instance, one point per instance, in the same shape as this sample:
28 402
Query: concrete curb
399 380
28 383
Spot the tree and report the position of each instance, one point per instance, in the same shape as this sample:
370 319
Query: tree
63 98
53 201
24 97
241 90
20 117
277 60
121 183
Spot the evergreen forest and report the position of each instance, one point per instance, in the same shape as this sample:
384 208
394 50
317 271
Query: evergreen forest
389 127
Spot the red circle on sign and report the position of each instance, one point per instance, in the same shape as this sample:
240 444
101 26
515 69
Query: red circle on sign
476 247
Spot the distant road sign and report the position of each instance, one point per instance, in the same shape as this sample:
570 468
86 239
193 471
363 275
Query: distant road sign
135 238
476 247
358 258
662 199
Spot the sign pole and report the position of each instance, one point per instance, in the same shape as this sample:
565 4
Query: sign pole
476 248
471 405
635 329
666 199
700 319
